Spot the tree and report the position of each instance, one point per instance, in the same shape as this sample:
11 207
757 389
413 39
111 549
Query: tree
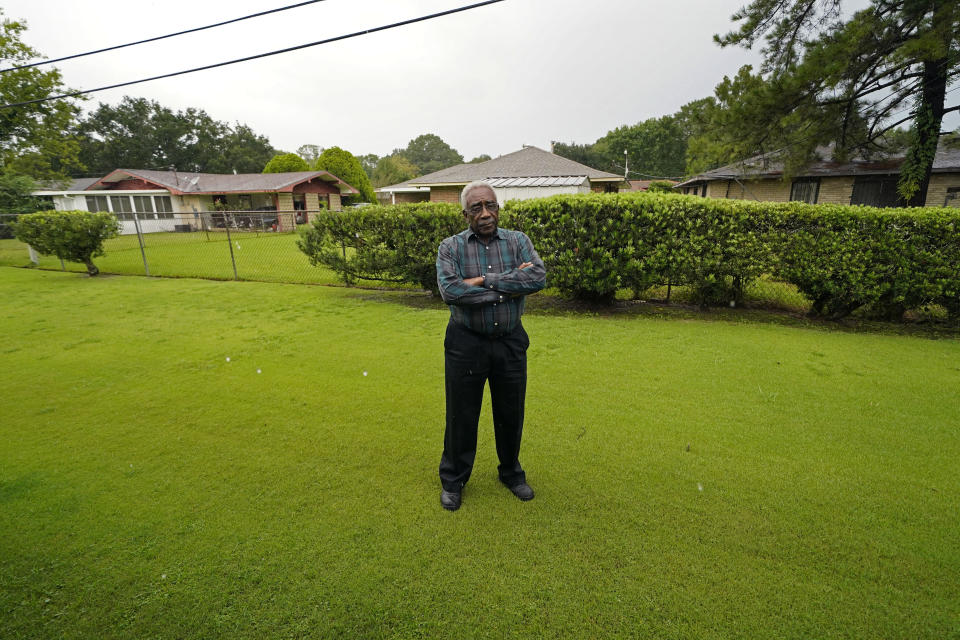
16 194
143 134
309 152
655 148
480 158
394 169
430 153
582 153
369 163
829 78
284 162
77 236
345 166
39 140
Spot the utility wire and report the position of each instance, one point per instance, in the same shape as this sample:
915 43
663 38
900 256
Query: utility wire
169 35
260 55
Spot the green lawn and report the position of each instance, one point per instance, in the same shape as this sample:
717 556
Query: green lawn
694 478
269 257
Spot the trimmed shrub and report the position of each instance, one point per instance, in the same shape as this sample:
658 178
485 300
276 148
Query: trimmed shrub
76 236
594 244
376 243
884 261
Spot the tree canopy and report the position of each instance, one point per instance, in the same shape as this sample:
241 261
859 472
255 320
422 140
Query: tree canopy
345 166
430 153
834 77
284 162
39 140
656 147
394 169
143 134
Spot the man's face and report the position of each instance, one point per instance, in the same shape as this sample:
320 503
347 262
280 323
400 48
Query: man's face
482 212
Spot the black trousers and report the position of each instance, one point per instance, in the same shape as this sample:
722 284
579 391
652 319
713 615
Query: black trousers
470 360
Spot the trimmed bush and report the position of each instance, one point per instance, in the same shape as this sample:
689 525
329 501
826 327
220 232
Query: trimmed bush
843 258
885 261
376 243
75 236
595 244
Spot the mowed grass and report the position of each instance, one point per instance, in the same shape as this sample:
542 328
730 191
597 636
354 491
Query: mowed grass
268 257
694 479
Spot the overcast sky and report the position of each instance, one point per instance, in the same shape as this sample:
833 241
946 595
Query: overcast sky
486 81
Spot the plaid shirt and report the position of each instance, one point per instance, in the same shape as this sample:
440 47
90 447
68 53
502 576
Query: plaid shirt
494 308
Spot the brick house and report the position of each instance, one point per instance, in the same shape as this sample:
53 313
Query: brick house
528 173
859 181
163 199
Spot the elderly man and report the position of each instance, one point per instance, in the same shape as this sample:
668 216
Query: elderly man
484 274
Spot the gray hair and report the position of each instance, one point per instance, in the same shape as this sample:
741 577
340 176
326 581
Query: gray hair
470 187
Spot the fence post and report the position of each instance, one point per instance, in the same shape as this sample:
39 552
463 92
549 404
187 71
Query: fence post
226 224
136 225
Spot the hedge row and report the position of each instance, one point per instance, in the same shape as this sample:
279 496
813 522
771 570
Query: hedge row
393 243
843 258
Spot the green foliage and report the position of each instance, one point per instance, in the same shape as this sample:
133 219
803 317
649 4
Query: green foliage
394 169
309 152
430 153
595 244
345 166
369 163
142 134
655 147
39 140
16 194
286 162
884 260
835 76
77 236
379 243
483 157
660 186
843 258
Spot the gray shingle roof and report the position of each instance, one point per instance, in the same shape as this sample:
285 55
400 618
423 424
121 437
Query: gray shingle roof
529 162
189 182
947 160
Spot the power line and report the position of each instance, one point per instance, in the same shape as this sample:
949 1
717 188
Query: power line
169 35
260 55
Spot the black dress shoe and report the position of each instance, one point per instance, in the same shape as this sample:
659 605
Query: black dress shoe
450 500
522 491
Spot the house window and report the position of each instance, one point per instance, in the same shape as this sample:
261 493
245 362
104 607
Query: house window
143 204
953 197
876 191
805 190
163 206
122 207
97 203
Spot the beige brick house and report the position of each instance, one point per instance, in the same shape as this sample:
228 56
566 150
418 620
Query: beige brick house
868 182
528 173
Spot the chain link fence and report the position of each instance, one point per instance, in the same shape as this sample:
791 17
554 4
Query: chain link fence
223 245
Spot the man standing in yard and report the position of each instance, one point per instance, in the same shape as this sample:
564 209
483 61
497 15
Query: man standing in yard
484 274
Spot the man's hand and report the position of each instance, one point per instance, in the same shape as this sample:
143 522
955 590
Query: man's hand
524 266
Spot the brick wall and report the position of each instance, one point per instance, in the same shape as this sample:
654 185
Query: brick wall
335 202
285 201
937 191
764 190
404 198
835 190
445 194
